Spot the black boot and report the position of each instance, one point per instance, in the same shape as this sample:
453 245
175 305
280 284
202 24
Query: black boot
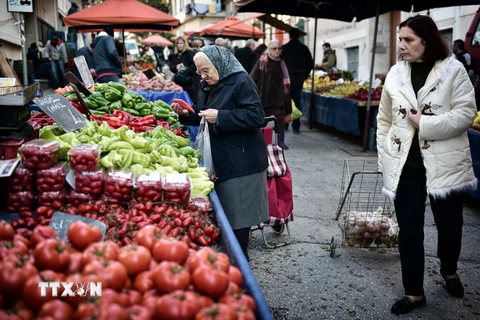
281 141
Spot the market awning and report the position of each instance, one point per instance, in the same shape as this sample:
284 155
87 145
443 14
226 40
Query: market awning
230 28
274 22
157 39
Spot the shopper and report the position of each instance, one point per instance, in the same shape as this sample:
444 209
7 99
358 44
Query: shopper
271 76
57 54
41 66
246 55
329 61
107 62
299 62
426 108
181 64
197 45
229 101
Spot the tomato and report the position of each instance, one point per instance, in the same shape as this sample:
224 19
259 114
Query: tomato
81 234
109 296
6 231
204 301
31 291
57 309
239 300
12 280
79 280
147 236
209 256
169 276
210 281
170 250
178 305
41 233
113 273
75 263
87 311
235 275
233 288
244 313
217 311
113 311
137 312
51 254
143 282
101 251
15 246
17 312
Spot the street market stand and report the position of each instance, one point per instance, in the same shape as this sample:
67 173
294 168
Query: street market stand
343 114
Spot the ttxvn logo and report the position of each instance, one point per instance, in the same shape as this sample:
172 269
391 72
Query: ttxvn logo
71 289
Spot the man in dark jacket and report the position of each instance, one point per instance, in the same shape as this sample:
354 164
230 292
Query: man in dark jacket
299 63
246 55
107 62
87 53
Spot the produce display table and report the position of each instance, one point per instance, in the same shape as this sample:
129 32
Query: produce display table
231 246
168 97
343 114
474 138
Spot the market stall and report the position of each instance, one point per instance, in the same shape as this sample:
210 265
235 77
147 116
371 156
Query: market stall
122 178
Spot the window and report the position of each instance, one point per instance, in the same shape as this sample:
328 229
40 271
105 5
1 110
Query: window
352 60
43 28
476 35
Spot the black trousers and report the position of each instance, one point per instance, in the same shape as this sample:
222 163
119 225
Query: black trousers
243 237
410 211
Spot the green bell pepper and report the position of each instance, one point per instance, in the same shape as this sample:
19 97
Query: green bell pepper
142 106
120 87
91 104
112 94
101 101
145 112
131 111
128 101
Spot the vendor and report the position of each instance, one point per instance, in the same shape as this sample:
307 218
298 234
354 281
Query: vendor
228 100
107 62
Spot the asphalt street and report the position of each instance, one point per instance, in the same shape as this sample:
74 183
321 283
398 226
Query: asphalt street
302 281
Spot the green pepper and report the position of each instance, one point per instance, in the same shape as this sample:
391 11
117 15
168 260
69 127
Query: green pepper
170 135
142 106
192 162
112 94
100 87
160 115
72 96
128 101
182 142
101 101
117 105
163 105
120 145
120 87
95 94
140 158
131 111
186 151
145 112
91 104
98 112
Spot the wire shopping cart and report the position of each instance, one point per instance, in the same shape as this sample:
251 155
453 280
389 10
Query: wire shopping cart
280 196
367 216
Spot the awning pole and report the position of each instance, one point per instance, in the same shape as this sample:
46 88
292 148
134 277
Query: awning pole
311 118
369 100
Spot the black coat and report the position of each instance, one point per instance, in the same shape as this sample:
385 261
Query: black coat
246 57
238 146
187 59
299 61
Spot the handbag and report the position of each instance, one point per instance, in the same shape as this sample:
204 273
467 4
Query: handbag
277 167
183 77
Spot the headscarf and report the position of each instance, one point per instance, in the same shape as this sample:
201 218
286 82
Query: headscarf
223 60
286 78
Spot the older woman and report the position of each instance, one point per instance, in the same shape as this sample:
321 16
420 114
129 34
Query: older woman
229 101
271 76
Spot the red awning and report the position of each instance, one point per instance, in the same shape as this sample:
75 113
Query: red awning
129 15
230 28
157 39
274 22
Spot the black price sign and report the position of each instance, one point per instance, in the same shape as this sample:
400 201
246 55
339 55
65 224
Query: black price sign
84 71
61 221
62 112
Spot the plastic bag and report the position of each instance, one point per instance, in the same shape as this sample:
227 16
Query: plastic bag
202 142
296 114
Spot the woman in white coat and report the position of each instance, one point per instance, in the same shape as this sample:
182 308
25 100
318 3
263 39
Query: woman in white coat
427 105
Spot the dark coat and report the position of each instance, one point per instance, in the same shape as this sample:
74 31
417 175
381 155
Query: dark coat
299 61
88 58
246 57
187 59
238 146
105 55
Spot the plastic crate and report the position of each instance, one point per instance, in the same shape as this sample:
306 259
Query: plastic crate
9 148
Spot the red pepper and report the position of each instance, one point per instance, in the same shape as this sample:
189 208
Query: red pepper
184 105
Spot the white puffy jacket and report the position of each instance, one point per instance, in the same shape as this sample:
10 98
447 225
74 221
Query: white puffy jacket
442 136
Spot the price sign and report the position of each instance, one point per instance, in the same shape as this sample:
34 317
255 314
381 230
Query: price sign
61 221
84 71
62 112
25 6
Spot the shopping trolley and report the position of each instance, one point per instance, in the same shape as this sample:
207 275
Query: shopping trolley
280 196
367 216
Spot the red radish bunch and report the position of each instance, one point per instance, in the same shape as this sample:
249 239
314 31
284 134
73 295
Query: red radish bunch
52 179
89 182
84 157
39 154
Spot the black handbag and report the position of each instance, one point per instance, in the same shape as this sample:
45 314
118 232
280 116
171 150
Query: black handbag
183 77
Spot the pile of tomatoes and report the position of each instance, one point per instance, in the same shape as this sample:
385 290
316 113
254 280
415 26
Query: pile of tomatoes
192 224
155 277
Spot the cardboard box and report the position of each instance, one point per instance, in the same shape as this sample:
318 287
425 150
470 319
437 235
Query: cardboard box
8 85
15 108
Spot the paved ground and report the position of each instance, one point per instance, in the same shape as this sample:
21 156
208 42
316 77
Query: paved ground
302 281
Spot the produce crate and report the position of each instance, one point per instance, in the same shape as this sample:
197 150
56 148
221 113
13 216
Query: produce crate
15 108
9 148
229 242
